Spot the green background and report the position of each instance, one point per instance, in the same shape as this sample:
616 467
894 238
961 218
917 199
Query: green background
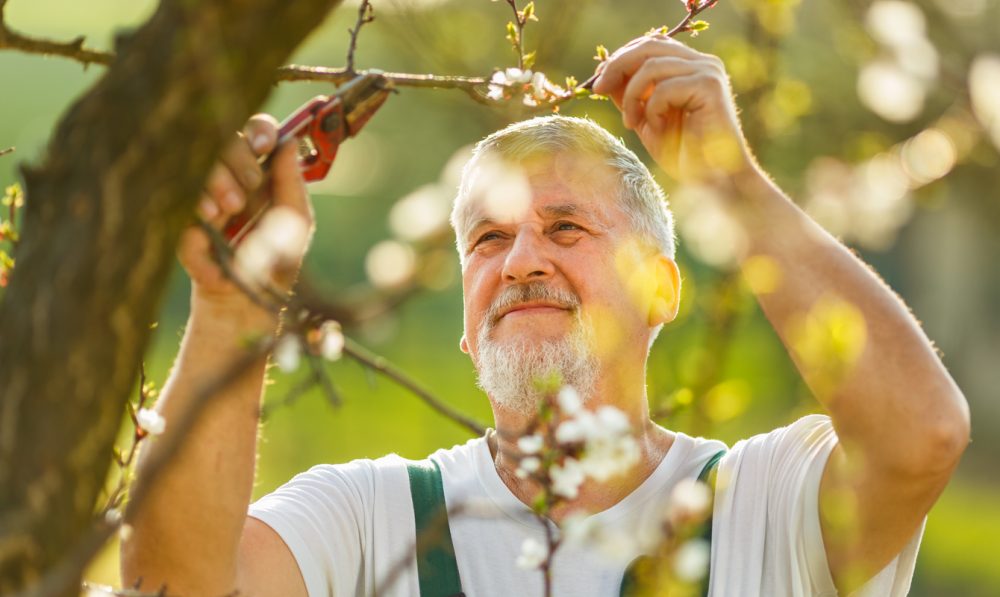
795 68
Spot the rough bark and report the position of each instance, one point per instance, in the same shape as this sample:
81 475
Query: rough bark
103 213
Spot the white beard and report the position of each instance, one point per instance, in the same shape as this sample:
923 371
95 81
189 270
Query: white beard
511 373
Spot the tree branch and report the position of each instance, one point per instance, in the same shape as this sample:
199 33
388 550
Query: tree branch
11 40
356 352
366 14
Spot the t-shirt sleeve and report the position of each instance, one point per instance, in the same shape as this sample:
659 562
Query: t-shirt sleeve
768 504
322 515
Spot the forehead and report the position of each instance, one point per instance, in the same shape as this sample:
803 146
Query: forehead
556 184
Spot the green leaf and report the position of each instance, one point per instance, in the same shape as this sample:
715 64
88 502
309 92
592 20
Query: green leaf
698 26
512 32
602 54
529 60
598 97
529 12
571 82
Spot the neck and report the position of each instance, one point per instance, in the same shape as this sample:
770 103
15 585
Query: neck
653 442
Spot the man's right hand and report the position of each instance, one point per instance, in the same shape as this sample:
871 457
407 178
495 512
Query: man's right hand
238 183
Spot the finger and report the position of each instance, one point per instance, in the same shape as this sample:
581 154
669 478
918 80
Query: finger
261 132
207 208
195 253
626 60
682 94
227 193
642 82
287 186
241 161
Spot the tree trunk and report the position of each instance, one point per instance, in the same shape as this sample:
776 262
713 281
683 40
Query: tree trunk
103 214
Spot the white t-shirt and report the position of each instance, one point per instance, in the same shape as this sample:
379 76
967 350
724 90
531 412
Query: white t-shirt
351 529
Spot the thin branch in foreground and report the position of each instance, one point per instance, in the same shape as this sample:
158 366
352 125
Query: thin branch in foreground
4 152
73 49
381 365
366 14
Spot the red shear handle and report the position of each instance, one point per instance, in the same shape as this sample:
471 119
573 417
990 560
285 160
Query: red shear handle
318 128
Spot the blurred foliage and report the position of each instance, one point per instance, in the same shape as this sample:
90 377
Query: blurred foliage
899 163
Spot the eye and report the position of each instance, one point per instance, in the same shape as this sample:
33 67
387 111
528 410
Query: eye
564 226
489 236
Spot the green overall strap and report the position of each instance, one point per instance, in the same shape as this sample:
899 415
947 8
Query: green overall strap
630 580
705 477
436 566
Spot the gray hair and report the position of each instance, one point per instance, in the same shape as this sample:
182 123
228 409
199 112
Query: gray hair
639 196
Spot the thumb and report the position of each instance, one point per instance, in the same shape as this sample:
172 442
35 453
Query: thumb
287 186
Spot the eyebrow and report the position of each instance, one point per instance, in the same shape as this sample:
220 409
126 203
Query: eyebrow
552 211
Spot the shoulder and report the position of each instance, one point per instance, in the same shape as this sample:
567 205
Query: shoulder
461 455
811 437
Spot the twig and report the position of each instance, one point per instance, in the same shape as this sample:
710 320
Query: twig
119 492
339 76
6 151
694 9
317 376
300 316
381 365
517 36
366 14
223 254
10 39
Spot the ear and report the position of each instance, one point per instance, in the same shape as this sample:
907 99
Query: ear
667 300
463 344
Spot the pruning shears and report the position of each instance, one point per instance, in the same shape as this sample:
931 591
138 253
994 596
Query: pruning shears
320 126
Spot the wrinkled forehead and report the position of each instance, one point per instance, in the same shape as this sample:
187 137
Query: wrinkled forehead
501 188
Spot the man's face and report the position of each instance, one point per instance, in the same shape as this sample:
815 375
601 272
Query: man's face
560 263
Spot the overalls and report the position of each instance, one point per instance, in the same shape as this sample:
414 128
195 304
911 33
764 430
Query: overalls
437 569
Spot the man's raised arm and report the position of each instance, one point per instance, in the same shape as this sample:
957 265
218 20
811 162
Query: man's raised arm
192 534
901 420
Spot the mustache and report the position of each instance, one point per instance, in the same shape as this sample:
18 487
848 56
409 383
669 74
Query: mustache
526 293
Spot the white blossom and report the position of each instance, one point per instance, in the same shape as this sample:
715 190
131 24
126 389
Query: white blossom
609 449
113 516
495 92
569 400
527 466
286 353
691 560
516 75
609 456
612 420
533 554
689 499
567 478
538 88
530 444
150 421
125 532
331 344
281 236
570 432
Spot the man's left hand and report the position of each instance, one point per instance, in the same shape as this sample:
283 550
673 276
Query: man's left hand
679 102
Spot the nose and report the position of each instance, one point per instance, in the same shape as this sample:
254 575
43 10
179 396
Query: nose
527 258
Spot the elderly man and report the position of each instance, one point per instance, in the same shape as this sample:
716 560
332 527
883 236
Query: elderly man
573 275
